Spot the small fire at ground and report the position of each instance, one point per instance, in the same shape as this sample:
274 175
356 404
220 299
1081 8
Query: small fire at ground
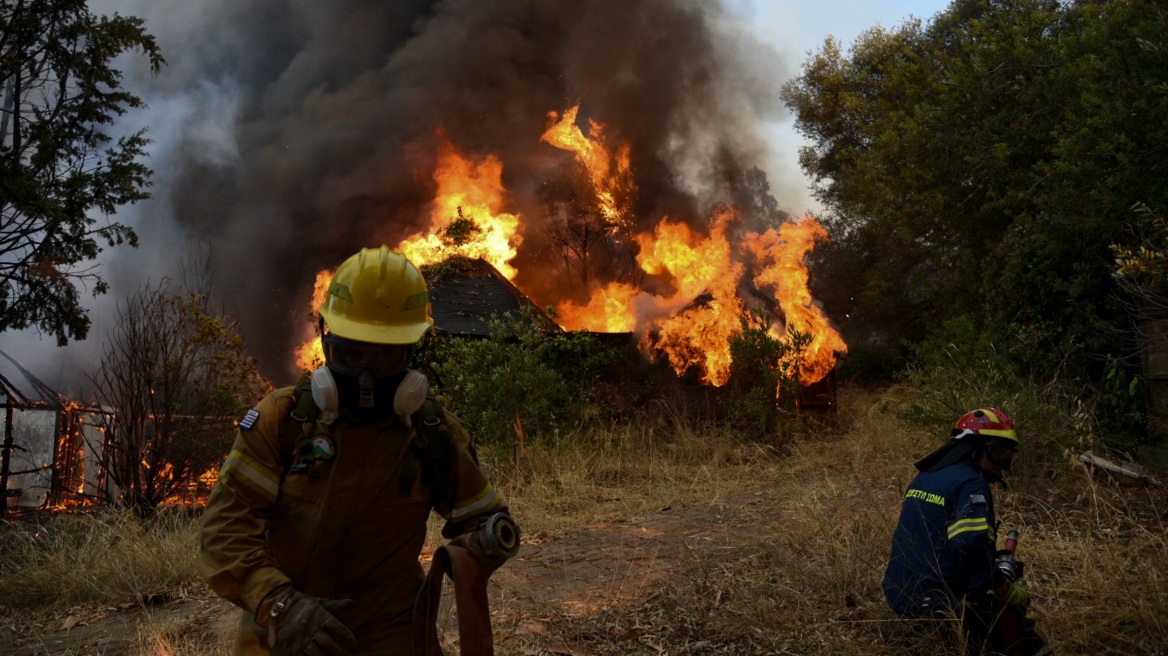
715 272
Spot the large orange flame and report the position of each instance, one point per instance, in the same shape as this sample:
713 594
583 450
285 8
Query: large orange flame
703 312
690 324
471 191
608 311
608 172
780 255
697 335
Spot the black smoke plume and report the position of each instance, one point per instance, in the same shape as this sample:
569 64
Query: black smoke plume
331 113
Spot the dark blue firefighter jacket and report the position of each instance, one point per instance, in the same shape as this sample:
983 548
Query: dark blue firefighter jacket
943 547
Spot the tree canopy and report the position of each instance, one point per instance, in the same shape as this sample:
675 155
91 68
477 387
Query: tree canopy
981 165
58 95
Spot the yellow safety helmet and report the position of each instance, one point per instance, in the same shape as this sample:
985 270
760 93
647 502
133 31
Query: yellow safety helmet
378 296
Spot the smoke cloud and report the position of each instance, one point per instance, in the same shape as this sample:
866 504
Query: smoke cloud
290 133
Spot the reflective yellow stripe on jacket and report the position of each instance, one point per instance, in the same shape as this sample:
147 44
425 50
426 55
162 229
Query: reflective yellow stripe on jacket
485 501
973 524
252 473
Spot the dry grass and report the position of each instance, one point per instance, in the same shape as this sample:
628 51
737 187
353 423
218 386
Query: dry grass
627 470
107 558
802 577
806 578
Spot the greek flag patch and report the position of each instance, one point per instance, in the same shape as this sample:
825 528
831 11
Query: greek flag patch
249 420
977 498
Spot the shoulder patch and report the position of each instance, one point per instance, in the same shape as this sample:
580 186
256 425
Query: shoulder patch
322 448
249 419
977 498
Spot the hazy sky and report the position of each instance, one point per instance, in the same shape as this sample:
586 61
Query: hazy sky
203 109
797 28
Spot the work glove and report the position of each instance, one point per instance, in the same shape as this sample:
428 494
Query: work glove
1015 596
299 624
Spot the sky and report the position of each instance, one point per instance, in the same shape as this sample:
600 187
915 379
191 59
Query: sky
183 106
795 29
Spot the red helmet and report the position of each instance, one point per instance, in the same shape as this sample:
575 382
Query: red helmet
990 422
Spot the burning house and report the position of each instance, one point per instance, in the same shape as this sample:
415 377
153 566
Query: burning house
51 448
603 157
463 300
682 289
679 297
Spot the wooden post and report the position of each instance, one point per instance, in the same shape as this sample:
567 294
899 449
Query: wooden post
5 458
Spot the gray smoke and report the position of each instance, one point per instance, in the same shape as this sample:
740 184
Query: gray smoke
290 133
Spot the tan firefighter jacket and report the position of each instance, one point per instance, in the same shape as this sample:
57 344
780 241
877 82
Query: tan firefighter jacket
344 532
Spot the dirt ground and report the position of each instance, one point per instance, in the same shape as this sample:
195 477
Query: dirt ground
584 571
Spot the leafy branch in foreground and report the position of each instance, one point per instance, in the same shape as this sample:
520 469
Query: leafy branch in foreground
57 164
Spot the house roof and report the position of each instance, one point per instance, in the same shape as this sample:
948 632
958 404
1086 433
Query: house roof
19 388
465 294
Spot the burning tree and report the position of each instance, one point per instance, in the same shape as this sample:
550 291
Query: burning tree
582 238
176 375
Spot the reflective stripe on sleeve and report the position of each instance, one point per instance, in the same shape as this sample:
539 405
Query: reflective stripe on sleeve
972 524
251 472
484 500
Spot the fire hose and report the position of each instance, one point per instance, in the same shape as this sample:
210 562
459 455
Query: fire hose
469 564
1008 617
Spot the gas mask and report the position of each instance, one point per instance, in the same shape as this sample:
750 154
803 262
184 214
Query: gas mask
369 381
368 396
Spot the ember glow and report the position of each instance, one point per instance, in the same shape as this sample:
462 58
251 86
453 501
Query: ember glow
473 192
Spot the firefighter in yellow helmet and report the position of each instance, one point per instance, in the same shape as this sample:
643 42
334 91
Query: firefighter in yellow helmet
316 524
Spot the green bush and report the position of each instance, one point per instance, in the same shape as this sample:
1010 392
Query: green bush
544 379
961 369
765 371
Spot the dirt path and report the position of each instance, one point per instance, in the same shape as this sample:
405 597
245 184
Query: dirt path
576 573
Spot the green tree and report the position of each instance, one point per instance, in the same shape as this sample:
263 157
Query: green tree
980 166
58 166
176 375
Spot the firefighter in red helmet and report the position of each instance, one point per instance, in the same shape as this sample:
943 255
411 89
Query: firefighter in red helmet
318 518
944 560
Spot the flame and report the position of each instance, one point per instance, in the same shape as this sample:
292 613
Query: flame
608 172
780 254
699 334
608 311
310 354
472 191
691 323
704 310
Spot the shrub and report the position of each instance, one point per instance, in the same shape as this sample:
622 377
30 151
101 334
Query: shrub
765 371
542 379
961 369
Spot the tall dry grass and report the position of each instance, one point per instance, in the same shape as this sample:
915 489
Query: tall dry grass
798 573
110 557
806 580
